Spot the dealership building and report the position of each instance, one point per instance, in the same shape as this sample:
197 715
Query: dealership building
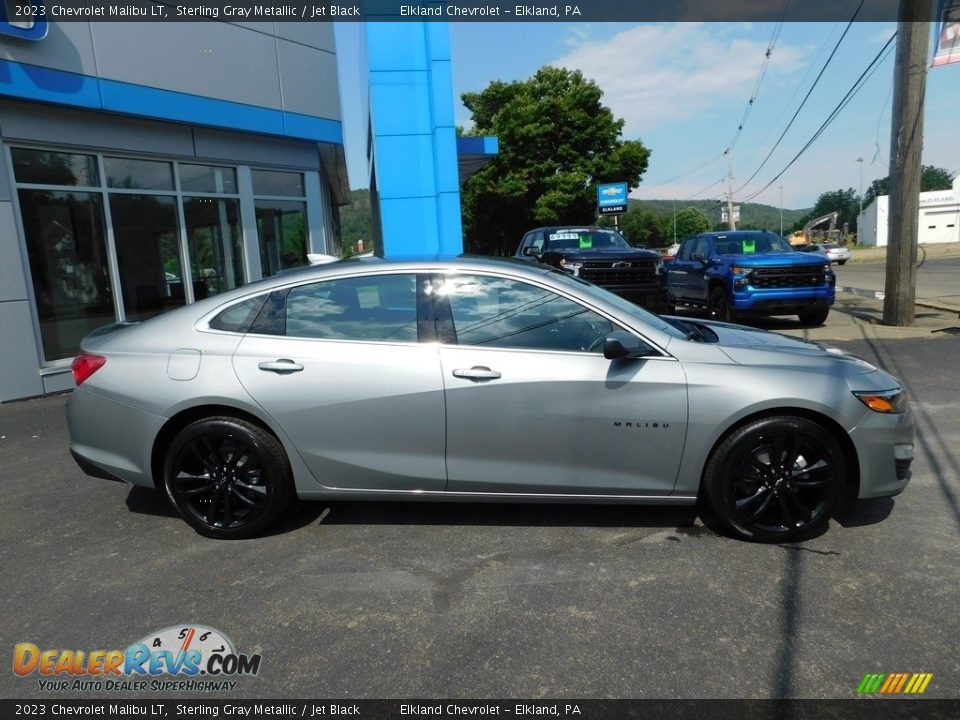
939 218
147 165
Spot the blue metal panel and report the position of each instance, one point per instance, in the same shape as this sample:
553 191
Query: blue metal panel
57 86
415 146
31 82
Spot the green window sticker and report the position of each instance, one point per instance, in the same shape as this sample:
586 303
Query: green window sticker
586 241
749 246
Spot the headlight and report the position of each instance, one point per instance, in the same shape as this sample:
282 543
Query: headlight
740 270
568 265
888 401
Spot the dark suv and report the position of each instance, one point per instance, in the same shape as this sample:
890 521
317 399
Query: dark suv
599 255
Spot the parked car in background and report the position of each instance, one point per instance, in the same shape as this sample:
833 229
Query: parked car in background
481 380
832 251
749 272
599 255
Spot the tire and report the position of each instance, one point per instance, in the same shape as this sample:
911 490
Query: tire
777 479
228 478
718 305
814 317
841 262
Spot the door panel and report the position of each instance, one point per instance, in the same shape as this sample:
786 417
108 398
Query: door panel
362 415
563 422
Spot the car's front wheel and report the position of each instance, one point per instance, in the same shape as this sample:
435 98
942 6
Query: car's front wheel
776 479
227 477
718 305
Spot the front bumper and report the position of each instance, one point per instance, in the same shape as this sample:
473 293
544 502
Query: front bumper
884 445
783 302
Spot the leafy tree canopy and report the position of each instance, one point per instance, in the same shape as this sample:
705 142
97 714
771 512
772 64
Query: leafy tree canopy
931 178
691 221
557 143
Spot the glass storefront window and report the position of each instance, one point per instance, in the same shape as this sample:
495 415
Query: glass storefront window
66 248
208 179
146 234
282 227
138 174
282 184
42 167
215 242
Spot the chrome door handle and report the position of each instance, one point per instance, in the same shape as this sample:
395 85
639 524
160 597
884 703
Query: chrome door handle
281 366
478 372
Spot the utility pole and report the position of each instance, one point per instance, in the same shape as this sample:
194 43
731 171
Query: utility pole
781 211
906 144
731 223
860 160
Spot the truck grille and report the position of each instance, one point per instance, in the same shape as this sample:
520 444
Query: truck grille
788 277
603 272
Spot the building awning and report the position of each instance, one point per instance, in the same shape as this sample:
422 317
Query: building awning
475 152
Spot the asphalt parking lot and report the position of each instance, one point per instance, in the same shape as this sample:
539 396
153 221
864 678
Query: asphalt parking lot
418 600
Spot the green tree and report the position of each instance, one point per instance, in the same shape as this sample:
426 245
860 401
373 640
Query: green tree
641 227
557 143
691 221
931 178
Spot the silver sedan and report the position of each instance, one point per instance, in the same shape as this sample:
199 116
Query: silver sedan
478 380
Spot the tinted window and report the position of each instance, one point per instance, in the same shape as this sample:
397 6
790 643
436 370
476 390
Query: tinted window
584 239
382 307
497 312
239 317
686 249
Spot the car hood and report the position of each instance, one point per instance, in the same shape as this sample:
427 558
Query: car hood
750 346
774 259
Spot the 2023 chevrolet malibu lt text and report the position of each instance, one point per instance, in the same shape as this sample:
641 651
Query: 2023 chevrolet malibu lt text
478 380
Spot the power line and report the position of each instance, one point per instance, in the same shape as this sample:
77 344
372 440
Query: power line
700 192
854 89
763 71
692 170
805 97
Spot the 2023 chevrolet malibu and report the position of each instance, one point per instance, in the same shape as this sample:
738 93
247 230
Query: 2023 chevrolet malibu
478 380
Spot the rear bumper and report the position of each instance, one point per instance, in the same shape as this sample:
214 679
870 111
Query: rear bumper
111 440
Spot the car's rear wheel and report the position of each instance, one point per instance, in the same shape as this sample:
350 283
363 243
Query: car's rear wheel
227 477
816 317
719 305
776 479
841 262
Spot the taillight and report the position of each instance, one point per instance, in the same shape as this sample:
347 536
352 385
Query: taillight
86 365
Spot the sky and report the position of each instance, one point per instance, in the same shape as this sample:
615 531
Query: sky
684 88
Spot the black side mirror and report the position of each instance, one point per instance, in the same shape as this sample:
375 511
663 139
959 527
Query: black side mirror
531 251
620 344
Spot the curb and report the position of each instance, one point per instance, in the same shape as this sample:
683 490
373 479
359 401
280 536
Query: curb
880 295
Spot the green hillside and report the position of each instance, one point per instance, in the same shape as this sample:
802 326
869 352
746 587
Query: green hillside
753 216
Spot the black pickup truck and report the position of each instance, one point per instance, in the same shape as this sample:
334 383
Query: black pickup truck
599 255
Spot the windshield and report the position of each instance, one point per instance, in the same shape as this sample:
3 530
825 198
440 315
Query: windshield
747 243
652 319
584 239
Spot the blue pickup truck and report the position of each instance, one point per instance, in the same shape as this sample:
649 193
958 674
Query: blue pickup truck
749 272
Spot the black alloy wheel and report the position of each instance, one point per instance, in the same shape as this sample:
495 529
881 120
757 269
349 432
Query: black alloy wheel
777 479
227 477
718 305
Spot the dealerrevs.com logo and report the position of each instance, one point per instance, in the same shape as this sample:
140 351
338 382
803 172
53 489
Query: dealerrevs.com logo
188 658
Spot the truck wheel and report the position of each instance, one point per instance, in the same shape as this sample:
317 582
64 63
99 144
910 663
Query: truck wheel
816 317
719 305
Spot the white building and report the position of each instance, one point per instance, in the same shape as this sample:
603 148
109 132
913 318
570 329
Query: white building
939 218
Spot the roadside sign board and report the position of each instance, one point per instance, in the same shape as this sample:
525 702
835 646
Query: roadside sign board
612 198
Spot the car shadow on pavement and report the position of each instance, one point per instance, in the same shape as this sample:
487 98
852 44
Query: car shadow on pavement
861 513
518 514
